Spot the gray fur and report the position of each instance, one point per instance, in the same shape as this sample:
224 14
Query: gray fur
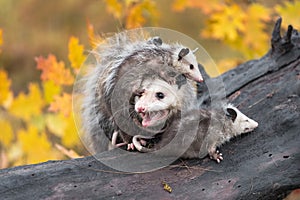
116 57
214 128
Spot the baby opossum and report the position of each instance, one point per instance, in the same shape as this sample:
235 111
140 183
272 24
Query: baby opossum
115 57
155 105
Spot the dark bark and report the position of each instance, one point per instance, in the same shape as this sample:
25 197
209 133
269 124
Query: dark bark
264 164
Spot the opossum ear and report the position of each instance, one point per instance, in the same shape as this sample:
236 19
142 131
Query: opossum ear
183 52
194 51
157 41
231 113
136 93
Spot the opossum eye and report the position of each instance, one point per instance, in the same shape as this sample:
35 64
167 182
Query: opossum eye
159 95
246 120
191 66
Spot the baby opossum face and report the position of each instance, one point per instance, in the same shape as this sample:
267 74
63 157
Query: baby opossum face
241 123
156 102
187 63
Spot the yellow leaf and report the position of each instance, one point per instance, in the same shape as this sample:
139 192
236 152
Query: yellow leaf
138 12
114 7
71 137
255 38
6 135
5 83
27 106
50 90
206 7
53 70
35 146
62 104
227 64
14 154
64 128
76 56
226 24
290 13
56 124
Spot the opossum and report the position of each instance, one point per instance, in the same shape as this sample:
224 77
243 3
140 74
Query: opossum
115 57
216 126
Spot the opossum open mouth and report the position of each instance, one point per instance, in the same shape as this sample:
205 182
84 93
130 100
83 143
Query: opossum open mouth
153 118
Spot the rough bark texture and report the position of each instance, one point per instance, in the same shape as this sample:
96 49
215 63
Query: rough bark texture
264 164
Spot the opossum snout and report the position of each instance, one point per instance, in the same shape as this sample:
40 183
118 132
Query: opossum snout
251 126
141 109
255 124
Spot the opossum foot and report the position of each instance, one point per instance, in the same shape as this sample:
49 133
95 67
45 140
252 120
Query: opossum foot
121 144
139 142
217 156
130 146
143 142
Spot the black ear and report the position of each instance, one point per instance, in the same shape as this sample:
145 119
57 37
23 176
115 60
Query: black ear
231 113
157 41
136 93
182 53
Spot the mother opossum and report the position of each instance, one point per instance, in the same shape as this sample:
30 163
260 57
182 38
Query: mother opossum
117 56
158 102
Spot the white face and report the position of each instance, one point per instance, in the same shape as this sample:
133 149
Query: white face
188 65
241 123
155 102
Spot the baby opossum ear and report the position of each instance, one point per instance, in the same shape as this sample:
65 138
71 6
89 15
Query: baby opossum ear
157 41
136 93
183 52
231 113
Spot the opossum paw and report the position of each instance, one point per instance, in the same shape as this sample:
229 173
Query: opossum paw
217 156
130 146
143 142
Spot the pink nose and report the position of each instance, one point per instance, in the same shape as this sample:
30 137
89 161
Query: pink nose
141 109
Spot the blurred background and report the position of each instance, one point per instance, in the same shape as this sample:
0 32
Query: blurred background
43 43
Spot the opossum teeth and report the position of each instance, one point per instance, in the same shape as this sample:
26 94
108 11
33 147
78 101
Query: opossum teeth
152 118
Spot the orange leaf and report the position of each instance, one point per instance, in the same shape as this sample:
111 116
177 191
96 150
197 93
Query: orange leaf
94 40
1 37
62 104
53 70
70 153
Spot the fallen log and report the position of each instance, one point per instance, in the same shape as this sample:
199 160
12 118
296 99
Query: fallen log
264 164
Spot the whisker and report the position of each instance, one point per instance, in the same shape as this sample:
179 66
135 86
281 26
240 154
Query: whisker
118 111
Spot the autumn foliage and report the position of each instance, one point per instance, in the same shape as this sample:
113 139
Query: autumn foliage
37 125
